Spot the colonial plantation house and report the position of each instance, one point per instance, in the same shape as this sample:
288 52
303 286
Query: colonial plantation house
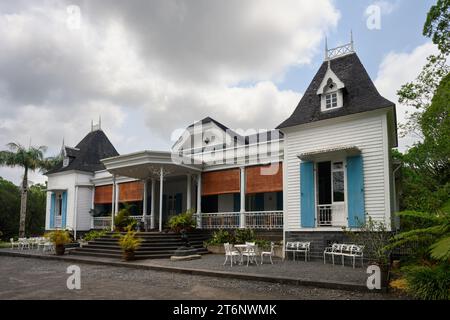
326 167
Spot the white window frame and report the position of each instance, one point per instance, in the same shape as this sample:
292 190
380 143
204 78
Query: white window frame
339 100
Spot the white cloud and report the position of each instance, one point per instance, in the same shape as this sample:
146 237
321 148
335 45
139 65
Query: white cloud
396 69
162 64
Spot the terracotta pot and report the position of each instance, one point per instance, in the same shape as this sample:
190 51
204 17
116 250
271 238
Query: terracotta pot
128 255
60 249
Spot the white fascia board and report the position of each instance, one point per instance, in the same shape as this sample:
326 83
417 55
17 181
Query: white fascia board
327 122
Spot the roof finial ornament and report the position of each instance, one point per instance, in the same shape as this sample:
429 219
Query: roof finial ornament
63 148
92 125
326 48
99 122
351 40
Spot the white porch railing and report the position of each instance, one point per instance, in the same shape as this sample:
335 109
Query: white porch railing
253 220
58 222
101 223
325 215
105 222
220 220
264 220
331 215
139 219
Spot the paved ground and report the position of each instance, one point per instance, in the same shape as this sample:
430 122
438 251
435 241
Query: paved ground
28 278
311 270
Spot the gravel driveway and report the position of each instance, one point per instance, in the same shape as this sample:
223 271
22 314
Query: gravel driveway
27 278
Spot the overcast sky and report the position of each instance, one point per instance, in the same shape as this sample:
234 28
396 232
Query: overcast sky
149 68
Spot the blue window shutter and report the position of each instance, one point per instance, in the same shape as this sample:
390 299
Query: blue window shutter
64 210
52 210
236 202
355 191
178 202
307 207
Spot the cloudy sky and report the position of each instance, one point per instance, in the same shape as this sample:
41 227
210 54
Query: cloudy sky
149 68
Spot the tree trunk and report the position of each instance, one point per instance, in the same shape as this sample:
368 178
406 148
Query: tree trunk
23 204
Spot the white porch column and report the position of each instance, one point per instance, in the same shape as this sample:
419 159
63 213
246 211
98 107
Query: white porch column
113 202
199 201
144 204
152 205
161 190
188 192
242 191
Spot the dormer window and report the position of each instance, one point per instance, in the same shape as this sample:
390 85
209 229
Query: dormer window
331 100
65 162
331 92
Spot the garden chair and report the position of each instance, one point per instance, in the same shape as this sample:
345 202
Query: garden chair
24 243
250 253
230 252
14 244
334 250
353 251
268 253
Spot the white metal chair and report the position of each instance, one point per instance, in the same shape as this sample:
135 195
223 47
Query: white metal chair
250 253
268 253
290 247
230 252
14 244
353 251
332 251
24 243
304 247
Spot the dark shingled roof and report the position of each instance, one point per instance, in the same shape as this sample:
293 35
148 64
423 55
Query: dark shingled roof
87 154
359 94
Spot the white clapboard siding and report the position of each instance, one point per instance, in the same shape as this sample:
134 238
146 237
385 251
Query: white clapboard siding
366 131
83 207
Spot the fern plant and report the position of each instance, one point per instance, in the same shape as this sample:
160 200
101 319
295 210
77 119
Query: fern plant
434 233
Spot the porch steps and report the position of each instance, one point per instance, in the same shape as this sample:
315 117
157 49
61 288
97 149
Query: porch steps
154 245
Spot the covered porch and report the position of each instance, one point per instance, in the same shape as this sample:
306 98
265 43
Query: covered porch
158 188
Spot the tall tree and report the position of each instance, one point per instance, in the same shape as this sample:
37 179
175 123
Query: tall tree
419 93
30 159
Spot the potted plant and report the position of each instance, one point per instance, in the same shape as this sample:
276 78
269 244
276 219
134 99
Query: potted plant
129 243
122 220
59 238
184 221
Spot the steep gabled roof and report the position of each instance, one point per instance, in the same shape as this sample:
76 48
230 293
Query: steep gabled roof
87 154
359 94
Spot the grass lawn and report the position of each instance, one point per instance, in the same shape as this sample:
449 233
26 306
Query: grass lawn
5 244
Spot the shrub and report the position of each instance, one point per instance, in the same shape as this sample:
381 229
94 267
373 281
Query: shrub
122 220
94 234
182 221
373 235
128 241
429 283
244 235
221 237
59 237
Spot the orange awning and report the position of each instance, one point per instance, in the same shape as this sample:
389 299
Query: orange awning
220 182
264 178
131 191
103 194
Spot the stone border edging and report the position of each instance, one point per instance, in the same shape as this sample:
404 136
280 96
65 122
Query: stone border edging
202 272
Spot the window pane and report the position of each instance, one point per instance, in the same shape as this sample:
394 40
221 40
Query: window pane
338 186
338 165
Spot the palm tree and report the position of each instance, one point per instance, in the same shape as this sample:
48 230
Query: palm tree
29 159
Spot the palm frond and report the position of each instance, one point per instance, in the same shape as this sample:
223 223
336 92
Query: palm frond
441 249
